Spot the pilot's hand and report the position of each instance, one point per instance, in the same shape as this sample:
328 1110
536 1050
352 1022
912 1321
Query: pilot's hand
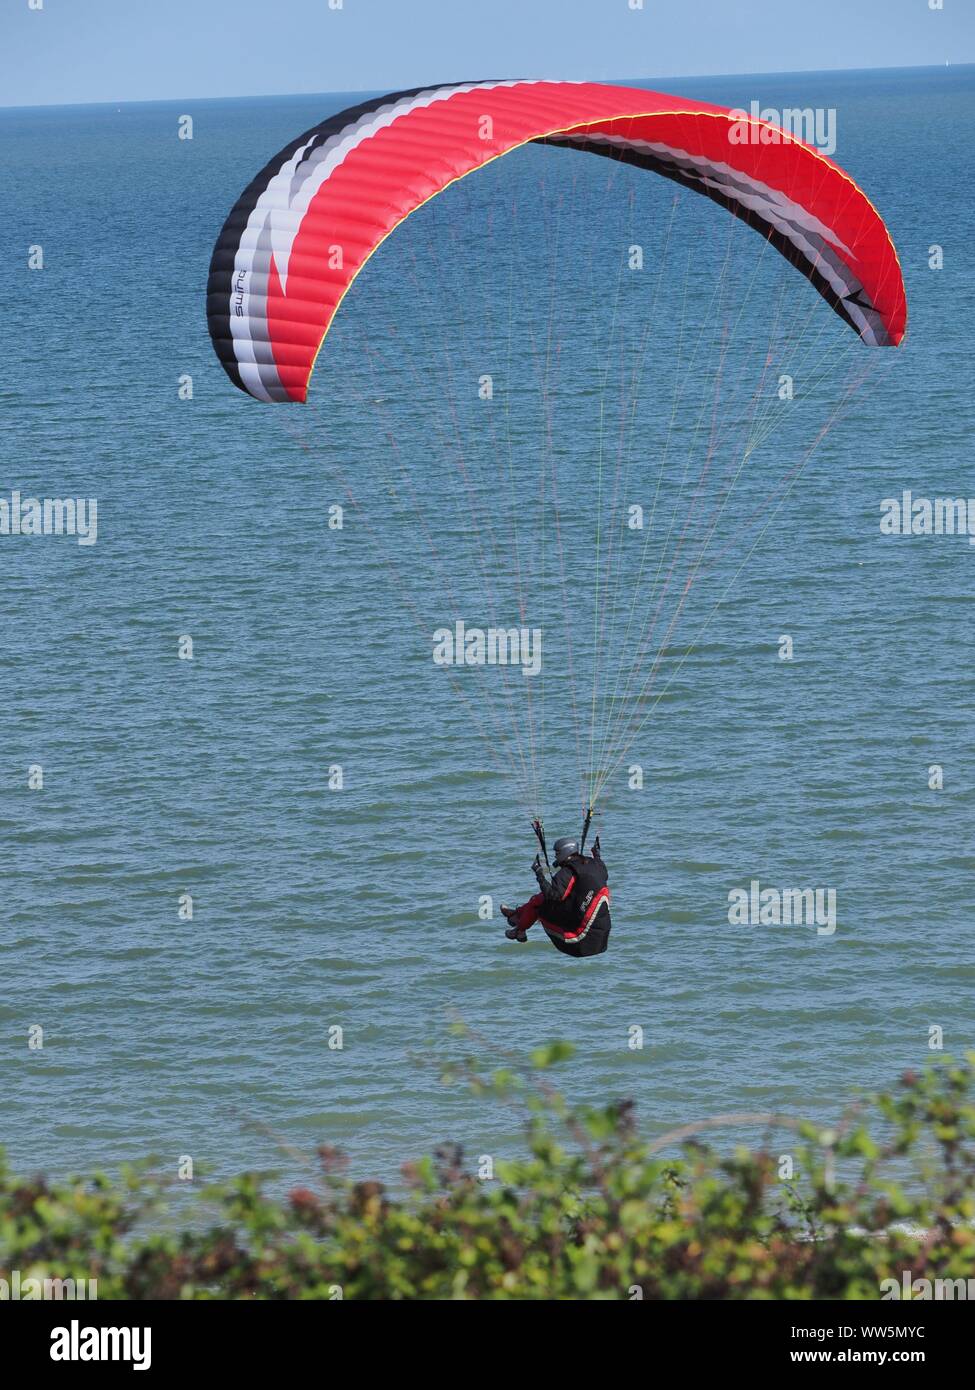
537 869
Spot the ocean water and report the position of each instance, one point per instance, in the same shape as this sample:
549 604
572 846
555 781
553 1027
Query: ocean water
318 908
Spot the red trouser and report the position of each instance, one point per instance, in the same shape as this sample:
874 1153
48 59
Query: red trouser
528 914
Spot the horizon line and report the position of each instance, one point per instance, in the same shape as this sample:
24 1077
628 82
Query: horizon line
360 91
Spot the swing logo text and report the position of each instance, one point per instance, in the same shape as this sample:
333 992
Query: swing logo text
461 645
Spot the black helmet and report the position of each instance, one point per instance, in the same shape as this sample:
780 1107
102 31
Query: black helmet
565 849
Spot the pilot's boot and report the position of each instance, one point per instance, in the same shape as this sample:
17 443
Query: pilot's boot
514 932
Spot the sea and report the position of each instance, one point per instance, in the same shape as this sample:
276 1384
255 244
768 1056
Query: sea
255 837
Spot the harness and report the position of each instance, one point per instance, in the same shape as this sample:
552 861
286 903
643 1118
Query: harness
596 899
599 903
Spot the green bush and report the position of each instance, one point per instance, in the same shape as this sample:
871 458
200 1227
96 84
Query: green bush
591 1211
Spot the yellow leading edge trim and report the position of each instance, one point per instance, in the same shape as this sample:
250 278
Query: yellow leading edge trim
586 125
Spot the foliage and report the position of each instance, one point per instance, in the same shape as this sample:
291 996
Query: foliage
591 1211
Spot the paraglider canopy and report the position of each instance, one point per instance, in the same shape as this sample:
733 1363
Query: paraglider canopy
308 223
564 463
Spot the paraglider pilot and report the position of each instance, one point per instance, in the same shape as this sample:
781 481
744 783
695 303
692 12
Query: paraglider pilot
572 905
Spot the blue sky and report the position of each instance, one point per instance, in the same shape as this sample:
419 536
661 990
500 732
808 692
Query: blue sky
132 50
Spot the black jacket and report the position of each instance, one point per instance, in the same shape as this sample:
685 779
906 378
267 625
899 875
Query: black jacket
576 891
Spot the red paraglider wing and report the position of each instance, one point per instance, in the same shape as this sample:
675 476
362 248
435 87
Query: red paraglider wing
305 227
